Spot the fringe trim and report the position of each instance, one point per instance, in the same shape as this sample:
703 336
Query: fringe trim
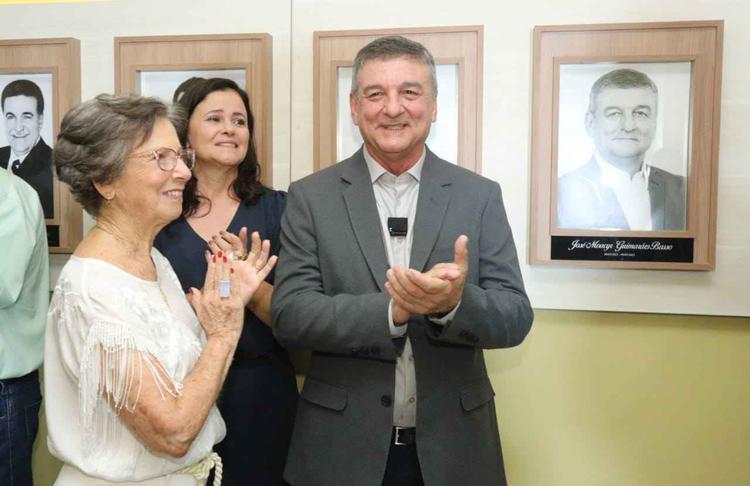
112 365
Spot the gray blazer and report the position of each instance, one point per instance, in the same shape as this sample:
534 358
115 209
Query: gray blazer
583 202
329 296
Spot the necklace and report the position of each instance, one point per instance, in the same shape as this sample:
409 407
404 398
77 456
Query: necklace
152 264
128 258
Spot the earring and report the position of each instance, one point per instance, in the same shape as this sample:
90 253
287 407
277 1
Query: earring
109 196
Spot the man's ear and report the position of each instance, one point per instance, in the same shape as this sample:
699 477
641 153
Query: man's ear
354 107
40 121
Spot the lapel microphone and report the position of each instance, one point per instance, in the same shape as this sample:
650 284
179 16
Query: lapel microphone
398 226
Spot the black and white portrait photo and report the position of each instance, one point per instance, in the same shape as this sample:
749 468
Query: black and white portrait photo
623 132
26 137
163 84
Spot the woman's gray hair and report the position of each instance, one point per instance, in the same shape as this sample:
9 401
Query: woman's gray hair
97 136
392 47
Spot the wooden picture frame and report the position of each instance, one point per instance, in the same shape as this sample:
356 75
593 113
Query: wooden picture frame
577 213
207 55
52 68
457 49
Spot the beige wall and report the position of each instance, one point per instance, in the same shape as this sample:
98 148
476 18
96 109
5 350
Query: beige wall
591 398
616 399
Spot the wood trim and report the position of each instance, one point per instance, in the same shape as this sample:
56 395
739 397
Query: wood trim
59 57
715 123
479 113
402 30
198 37
687 24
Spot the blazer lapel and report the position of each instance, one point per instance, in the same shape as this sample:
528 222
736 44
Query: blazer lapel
432 203
363 216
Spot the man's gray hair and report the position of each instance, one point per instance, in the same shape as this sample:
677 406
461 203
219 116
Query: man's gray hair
97 136
622 79
391 47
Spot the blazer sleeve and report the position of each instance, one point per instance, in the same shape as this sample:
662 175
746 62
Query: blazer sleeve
495 311
304 315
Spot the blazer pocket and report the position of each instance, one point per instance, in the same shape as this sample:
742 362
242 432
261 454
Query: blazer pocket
324 394
477 394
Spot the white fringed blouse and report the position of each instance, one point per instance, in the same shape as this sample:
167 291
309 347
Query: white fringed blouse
105 329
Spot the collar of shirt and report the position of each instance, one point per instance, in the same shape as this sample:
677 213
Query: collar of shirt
20 158
376 170
612 176
631 193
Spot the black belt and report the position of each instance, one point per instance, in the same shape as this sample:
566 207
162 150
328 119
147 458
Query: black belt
33 376
404 436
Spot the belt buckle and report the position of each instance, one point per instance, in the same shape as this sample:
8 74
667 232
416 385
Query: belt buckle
396 440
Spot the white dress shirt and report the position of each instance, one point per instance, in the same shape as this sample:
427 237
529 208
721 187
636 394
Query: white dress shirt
13 157
631 192
396 196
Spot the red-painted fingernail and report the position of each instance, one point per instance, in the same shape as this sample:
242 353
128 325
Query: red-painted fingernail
213 259
225 259
231 270
220 254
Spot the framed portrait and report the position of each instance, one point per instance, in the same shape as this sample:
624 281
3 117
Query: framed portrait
625 129
39 82
456 134
157 65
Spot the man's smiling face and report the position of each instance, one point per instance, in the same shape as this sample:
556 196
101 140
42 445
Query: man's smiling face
22 123
624 122
394 108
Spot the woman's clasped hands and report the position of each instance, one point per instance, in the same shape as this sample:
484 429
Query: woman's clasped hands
252 267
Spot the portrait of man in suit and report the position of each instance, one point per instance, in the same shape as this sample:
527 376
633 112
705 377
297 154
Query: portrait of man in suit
27 155
617 189
397 270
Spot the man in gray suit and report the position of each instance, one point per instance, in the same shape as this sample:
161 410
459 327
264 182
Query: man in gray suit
616 189
397 268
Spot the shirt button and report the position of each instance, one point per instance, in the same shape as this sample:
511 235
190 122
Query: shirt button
385 400
412 400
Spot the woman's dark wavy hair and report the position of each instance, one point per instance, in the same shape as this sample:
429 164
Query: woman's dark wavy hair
247 185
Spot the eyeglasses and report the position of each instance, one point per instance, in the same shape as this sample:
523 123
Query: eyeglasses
166 158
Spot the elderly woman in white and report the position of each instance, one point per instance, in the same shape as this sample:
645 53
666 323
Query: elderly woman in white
131 371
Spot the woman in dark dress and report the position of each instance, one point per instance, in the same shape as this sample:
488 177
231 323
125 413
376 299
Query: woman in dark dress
223 199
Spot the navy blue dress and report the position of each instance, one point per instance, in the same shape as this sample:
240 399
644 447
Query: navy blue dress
259 398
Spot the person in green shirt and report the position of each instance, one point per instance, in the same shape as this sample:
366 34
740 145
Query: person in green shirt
24 296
